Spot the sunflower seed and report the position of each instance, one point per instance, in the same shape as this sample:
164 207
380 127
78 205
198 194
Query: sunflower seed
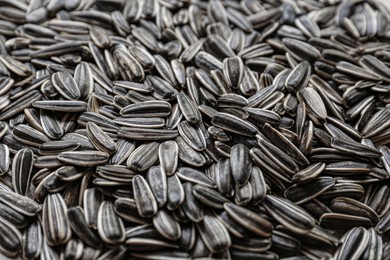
213 233
22 167
250 220
192 208
168 227
83 158
79 226
55 224
233 124
110 227
289 215
12 239
144 198
143 157
354 244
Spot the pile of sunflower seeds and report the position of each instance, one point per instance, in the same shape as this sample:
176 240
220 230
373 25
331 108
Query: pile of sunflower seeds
182 129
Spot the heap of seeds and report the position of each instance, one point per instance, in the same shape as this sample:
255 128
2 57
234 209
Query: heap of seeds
181 129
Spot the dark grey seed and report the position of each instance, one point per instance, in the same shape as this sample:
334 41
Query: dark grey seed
384 224
234 228
314 103
147 108
82 140
354 148
289 214
207 82
208 196
354 243
67 106
353 207
143 157
100 139
143 56
56 147
92 199
147 134
28 135
236 253
242 194
163 89
372 63
207 61
139 87
145 244
214 234
249 219
241 164
266 164
15 66
284 144
192 208
255 245
189 53
127 210
233 124
55 225
239 19
74 248
195 176
233 69
70 173
51 125
166 225
308 26
79 226
20 104
298 77
109 226
178 69
278 156
301 50
5 160
263 116
223 177
83 158
189 108
11 237
258 184
174 118
168 156
356 71
377 123
192 135
123 150
165 70
32 240
350 190
175 192
20 203
338 221
374 248
158 184
103 122
47 161
22 167
308 174
144 198
139 122
64 83
189 155
301 193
